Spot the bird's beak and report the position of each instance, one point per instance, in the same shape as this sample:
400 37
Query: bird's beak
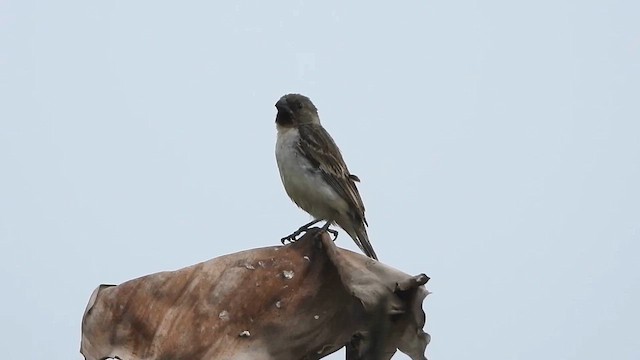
283 106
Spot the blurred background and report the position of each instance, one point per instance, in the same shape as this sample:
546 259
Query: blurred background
498 144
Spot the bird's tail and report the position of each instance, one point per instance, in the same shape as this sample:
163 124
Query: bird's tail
362 240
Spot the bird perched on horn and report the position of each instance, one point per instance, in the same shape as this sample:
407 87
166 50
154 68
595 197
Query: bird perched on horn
314 173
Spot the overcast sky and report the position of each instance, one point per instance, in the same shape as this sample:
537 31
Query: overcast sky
498 143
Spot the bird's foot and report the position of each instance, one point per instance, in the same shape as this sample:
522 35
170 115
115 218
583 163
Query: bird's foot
330 231
293 237
334 233
290 238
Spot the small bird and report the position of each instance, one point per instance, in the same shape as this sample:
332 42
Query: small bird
314 174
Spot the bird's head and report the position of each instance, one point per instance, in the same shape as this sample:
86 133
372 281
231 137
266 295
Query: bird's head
296 109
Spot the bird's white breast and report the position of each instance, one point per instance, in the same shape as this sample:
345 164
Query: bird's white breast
303 183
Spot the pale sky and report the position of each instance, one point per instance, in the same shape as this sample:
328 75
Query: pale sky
498 143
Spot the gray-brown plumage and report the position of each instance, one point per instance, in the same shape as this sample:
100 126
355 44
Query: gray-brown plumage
313 171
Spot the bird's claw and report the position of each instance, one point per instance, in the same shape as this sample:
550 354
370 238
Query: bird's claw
291 238
294 236
330 231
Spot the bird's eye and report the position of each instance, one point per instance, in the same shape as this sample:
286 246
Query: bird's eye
299 105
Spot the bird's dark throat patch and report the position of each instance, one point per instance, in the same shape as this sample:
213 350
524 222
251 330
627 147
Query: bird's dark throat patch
284 118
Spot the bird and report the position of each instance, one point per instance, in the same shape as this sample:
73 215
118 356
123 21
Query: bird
314 174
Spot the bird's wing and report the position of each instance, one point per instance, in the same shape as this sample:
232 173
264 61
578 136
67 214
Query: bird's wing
319 148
